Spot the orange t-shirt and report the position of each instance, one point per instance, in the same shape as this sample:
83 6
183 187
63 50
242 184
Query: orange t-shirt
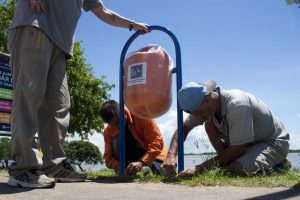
145 132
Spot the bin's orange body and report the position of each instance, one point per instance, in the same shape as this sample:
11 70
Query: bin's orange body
148 82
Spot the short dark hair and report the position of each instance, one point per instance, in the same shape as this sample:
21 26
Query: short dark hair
109 110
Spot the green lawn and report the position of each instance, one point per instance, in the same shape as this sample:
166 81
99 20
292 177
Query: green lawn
211 178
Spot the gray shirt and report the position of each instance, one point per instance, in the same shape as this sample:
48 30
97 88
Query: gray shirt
58 23
245 119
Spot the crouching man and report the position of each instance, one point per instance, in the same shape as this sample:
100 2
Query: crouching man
248 138
143 141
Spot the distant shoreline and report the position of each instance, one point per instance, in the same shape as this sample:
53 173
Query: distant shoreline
294 151
214 153
200 154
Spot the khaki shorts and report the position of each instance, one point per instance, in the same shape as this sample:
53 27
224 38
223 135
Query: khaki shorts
263 156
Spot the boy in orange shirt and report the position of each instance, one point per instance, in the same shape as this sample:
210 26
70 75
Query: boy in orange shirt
143 141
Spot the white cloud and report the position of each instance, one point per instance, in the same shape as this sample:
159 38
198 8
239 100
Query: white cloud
168 127
294 141
96 139
172 114
197 135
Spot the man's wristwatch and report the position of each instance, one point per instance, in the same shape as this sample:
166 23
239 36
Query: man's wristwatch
131 26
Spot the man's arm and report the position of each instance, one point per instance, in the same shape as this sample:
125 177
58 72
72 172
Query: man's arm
114 19
170 164
174 142
110 161
153 138
228 155
214 136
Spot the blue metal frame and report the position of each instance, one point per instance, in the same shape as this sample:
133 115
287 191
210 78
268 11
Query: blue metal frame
177 70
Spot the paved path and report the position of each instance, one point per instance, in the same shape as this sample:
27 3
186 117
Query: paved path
147 191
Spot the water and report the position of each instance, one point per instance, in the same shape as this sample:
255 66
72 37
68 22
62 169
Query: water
192 160
294 158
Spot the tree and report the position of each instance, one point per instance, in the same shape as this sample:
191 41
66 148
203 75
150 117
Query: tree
82 152
295 2
5 151
87 92
6 13
87 95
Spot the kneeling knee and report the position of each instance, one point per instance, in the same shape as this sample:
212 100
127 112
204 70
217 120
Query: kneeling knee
236 168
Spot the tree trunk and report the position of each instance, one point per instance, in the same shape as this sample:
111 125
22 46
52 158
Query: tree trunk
80 167
2 164
6 164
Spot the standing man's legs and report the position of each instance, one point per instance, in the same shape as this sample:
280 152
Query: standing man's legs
54 113
31 53
42 96
53 117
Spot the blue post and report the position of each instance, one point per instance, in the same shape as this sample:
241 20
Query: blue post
177 70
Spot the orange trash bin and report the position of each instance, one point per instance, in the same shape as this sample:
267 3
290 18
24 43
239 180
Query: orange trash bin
148 82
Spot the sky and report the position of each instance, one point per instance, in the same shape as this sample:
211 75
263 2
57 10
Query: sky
248 45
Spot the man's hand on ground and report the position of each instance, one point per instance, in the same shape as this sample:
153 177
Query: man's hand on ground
134 167
187 173
169 167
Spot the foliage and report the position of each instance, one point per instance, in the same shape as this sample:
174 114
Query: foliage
5 151
6 13
87 95
293 1
79 152
108 175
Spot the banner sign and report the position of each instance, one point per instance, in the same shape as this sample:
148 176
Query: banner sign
6 93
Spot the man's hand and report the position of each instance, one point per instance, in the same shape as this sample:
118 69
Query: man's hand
187 173
140 26
134 167
117 169
169 167
38 5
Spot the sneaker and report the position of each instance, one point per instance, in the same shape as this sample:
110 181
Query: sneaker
64 172
31 179
285 165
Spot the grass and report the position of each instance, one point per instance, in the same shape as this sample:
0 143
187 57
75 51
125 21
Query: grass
215 177
3 170
210 178
107 175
